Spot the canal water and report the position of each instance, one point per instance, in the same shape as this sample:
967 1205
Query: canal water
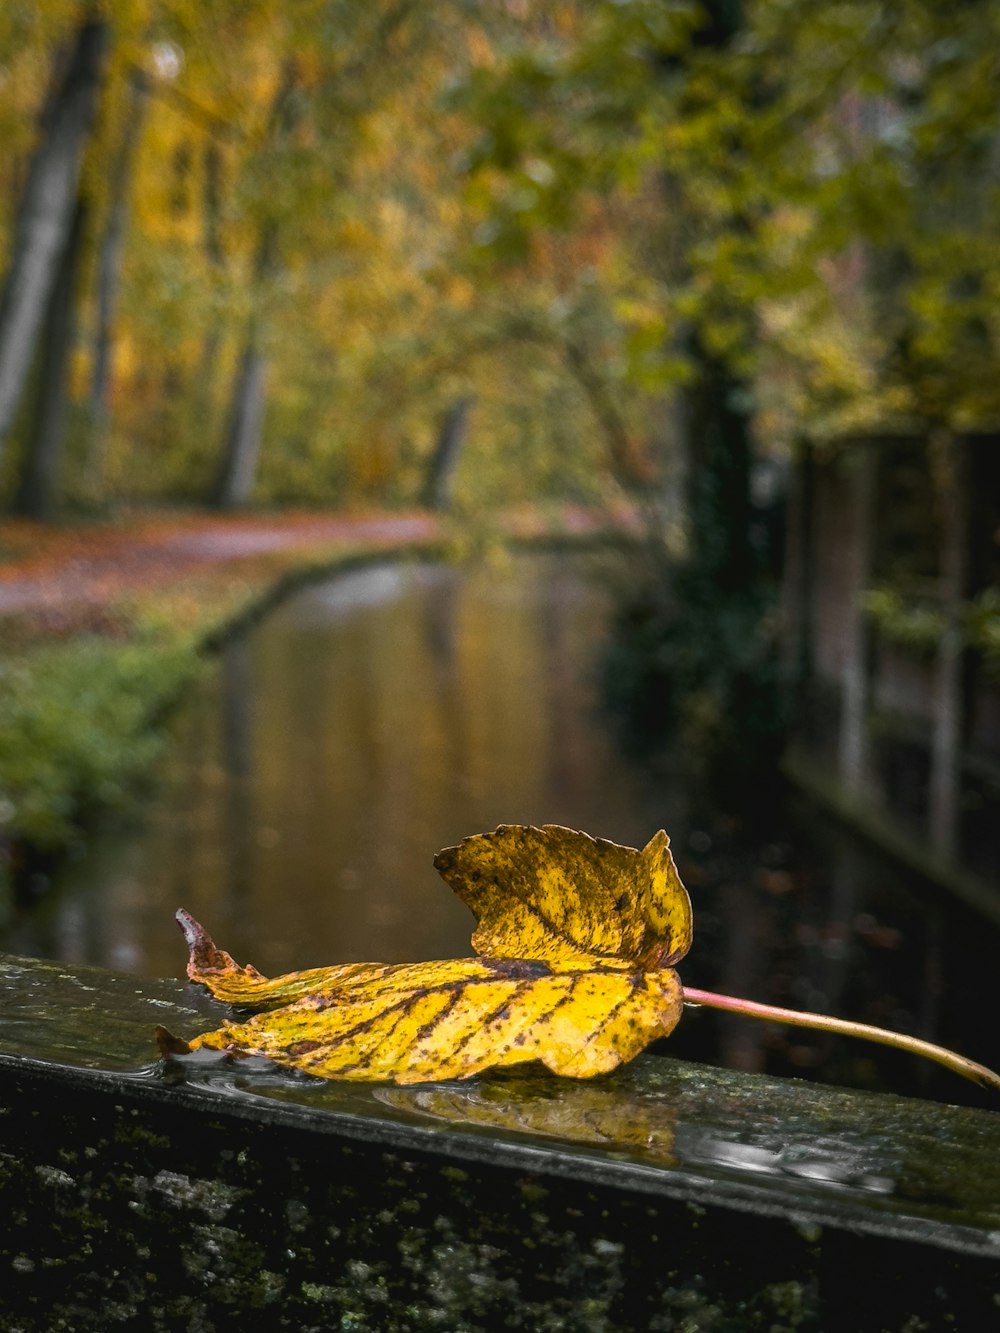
396 709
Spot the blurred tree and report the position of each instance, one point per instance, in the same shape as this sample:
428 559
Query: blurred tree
349 62
42 455
246 414
46 211
824 182
437 486
668 221
109 263
824 230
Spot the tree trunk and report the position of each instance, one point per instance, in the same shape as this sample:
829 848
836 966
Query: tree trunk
717 464
441 470
45 218
109 274
212 244
246 414
605 409
948 460
40 467
239 464
238 472
853 758
796 642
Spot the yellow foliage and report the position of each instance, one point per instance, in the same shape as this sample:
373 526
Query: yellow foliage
576 936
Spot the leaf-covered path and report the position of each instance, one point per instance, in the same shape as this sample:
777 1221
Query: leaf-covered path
58 568
62 573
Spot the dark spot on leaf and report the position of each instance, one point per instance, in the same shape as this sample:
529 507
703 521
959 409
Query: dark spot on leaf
520 969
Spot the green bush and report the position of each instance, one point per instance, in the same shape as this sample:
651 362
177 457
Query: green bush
76 729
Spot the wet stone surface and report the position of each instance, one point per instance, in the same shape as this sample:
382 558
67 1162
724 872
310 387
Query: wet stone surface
668 1196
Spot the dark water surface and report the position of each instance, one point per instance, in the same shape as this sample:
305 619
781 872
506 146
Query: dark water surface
397 709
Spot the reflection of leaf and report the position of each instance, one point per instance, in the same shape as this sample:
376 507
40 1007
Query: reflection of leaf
581 1113
574 935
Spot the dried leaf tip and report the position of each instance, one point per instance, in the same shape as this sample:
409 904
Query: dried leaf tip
204 955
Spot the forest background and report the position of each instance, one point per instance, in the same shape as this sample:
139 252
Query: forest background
332 253
310 232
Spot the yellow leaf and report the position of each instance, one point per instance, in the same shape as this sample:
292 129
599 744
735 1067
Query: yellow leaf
573 933
549 892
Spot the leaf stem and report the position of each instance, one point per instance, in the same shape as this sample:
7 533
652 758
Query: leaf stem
958 1064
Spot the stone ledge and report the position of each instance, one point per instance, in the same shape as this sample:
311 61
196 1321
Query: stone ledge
152 1196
